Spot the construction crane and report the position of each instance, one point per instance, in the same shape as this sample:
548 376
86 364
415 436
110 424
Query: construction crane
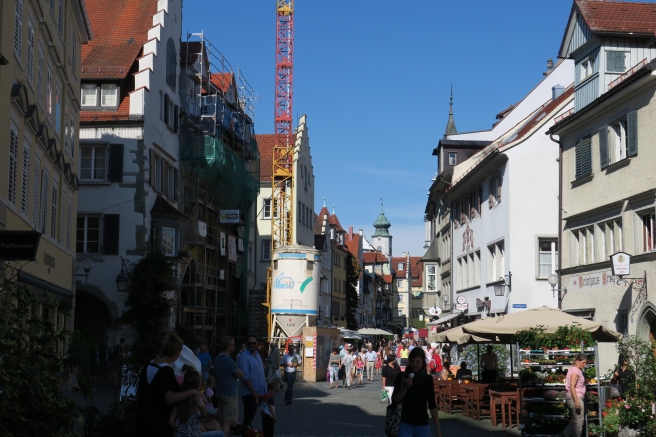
282 180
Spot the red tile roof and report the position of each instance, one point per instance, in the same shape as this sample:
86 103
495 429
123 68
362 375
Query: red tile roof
318 221
416 266
374 258
353 244
120 28
265 143
388 278
622 17
333 220
540 115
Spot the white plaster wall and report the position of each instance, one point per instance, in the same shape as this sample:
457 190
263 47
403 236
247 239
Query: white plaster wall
263 232
304 234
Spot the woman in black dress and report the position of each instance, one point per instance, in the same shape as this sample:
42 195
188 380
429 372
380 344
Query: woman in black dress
624 376
413 389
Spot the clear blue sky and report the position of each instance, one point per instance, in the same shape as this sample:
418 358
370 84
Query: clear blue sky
374 77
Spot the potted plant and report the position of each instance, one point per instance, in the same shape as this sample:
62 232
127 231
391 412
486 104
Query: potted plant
529 338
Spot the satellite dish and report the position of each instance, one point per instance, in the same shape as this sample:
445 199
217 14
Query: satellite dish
434 311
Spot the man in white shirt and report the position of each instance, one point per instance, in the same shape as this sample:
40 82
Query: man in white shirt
371 357
290 361
490 363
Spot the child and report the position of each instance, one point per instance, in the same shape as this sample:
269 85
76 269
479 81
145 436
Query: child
268 409
187 417
359 364
209 393
379 364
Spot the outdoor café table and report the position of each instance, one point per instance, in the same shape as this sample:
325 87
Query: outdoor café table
503 399
475 402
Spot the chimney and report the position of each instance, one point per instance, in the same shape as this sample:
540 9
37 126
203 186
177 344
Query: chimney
550 66
350 234
361 232
557 91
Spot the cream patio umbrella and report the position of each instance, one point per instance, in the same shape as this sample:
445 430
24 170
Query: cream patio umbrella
457 335
505 326
373 331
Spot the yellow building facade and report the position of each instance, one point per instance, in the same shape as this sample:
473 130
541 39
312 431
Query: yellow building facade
40 44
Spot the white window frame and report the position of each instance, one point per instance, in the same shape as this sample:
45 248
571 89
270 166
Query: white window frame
88 95
453 158
96 172
648 228
108 92
168 241
617 140
83 236
551 251
266 208
495 261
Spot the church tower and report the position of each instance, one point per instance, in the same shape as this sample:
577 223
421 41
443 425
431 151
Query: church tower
382 239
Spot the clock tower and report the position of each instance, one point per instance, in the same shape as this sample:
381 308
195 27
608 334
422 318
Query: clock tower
382 239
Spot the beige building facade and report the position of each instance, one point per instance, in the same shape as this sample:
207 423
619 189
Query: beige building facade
39 116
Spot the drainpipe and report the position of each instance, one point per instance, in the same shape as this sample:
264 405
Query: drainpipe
560 213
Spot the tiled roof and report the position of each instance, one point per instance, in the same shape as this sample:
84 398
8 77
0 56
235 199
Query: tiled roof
318 222
121 114
374 258
623 17
353 244
333 220
265 143
541 114
388 278
120 28
416 266
163 207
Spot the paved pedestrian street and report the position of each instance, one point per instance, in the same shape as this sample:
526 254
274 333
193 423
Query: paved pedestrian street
319 411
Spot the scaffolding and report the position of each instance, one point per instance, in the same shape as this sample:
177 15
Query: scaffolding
220 171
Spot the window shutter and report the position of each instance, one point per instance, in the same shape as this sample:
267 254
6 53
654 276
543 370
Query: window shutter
166 109
175 118
499 179
110 234
152 168
632 134
603 147
586 158
115 163
175 184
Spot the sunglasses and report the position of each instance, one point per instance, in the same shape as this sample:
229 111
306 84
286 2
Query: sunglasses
251 343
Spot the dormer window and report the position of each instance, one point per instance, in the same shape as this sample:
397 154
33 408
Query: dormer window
108 95
615 61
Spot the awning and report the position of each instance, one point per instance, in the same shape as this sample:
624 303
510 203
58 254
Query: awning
443 319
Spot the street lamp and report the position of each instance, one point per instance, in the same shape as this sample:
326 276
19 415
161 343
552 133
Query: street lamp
553 281
123 278
87 265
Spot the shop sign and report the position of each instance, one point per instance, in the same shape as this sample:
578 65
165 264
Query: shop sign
229 216
461 299
19 245
621 264
592 280
462 306
519 305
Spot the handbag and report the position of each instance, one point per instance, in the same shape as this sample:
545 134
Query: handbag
384 396
341 373
393 420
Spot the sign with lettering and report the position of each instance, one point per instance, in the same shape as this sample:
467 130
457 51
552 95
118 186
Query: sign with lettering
462 306
621 264
519 305
229 216
591 280
461 299
19 245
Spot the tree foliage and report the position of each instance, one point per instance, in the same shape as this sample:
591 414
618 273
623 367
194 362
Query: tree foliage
470 355
353 272
32 373
149 308
640 355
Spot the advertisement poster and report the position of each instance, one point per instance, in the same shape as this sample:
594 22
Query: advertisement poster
223 244
232 248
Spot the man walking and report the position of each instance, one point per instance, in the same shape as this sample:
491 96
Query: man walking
226 374
343 353
290 361
371 357
253 383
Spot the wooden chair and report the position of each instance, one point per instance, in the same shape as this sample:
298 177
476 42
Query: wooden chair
495 401
480 402
513 409
453 397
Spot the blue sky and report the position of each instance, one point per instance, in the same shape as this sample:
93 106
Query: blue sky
374 78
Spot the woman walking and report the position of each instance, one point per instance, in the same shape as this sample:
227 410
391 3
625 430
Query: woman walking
390 372
333 368
624 376
347 362
413 389
574 394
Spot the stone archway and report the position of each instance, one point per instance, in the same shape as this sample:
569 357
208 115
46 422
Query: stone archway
96 313
646 329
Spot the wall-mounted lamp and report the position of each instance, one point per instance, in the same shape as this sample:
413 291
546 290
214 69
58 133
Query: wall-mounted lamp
553 281
123 278
87 265
505 281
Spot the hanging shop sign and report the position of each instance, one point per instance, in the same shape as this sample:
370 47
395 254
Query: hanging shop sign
461 304
229 216
19 245
621 264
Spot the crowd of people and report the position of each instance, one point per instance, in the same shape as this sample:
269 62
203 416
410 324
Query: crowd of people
205 402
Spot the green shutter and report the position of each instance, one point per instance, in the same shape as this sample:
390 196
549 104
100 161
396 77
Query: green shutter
578 159
632 134
586 157
603 147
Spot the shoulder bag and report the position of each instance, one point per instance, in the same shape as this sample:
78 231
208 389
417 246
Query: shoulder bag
393 420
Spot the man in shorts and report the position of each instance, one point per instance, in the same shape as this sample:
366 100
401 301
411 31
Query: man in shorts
226 374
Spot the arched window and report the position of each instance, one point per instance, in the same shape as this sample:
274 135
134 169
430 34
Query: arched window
170 63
